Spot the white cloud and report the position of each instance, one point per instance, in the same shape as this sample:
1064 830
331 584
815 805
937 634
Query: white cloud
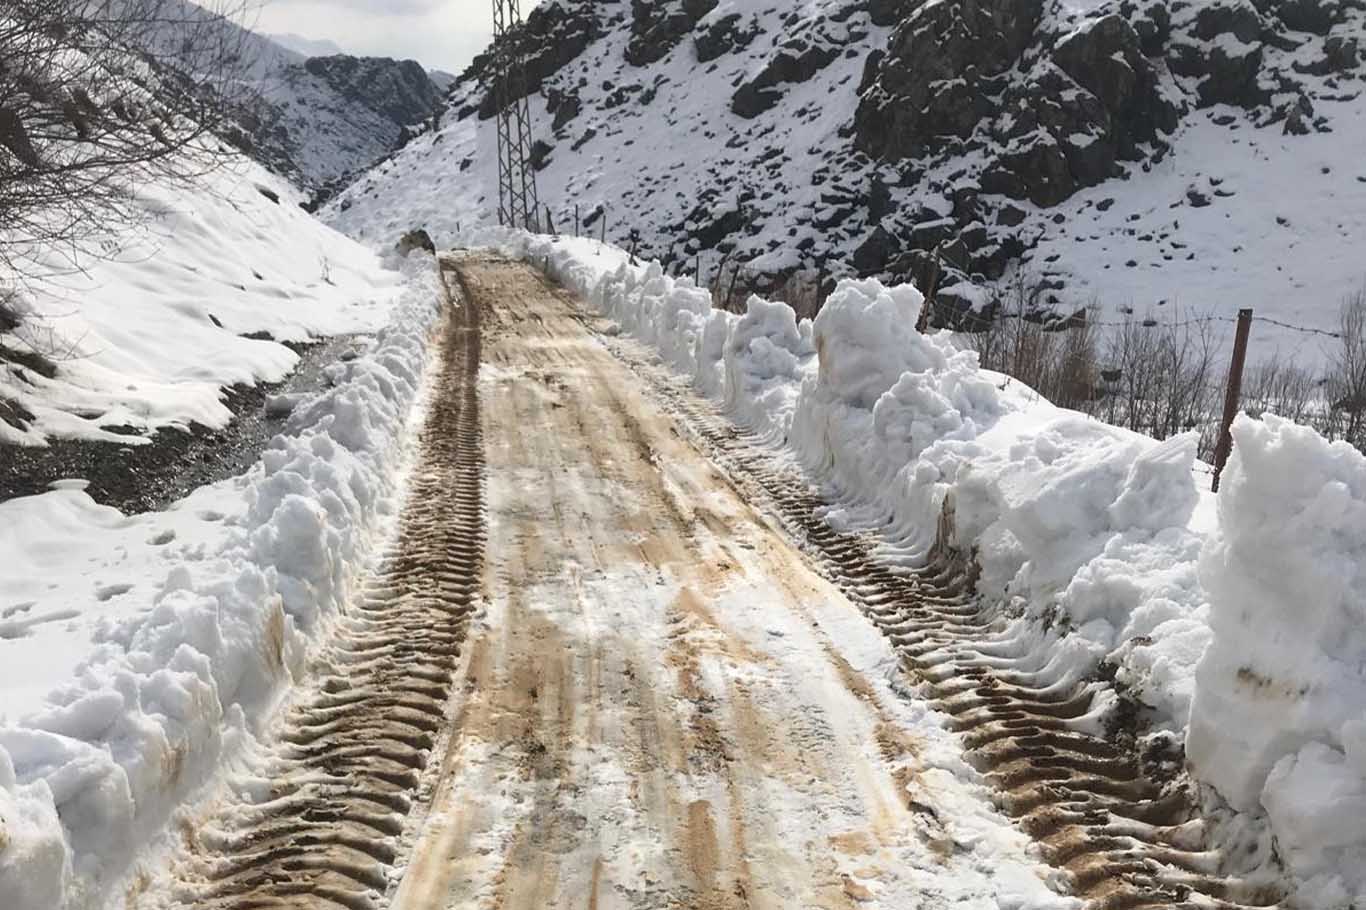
441 34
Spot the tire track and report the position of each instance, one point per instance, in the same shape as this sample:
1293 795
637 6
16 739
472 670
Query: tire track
349 762
1125 837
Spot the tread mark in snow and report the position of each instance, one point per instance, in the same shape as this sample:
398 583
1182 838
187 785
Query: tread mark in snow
1123 840
347 766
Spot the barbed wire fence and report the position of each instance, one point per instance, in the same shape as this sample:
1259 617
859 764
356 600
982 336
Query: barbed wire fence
1160 385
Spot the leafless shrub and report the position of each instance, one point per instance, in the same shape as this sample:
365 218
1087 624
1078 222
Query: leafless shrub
1344 414
1153 376
802 291
1284 389
1161 377
100 96
1056 358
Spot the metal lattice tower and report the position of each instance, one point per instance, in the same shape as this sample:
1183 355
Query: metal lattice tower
517 203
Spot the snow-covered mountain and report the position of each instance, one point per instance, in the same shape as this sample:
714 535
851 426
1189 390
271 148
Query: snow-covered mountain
1134 154
324 119
309 47
321 118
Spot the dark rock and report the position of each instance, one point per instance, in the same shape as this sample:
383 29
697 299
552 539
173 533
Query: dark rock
1227 69
1010 215
1298 117
891 12
540 154
792 64
877 249
14 136
930 84
657 28
1317 16
1341 54
1106 59
879 198
269 194
1045 175
1152 22
725 36
417 239
1196 198
400 90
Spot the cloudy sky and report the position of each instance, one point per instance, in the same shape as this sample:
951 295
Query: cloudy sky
442 34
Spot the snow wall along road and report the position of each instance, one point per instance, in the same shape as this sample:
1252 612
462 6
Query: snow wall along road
1240 619
169 694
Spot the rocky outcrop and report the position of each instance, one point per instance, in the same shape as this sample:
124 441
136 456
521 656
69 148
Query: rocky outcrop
940 71
795 60
727 35
1221 48
399 90
657 28
552 37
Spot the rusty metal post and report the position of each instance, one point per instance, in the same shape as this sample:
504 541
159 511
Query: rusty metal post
1234 396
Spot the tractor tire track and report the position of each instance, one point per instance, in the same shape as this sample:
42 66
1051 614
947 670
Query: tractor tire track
347 766
1124 838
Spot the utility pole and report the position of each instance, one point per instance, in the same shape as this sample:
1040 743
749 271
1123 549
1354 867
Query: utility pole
517 203
1234 395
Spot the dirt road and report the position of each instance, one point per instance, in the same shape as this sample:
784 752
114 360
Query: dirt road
651 717
590 672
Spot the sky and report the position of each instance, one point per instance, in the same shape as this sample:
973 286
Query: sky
440 34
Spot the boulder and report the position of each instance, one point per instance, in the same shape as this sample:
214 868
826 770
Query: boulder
416 239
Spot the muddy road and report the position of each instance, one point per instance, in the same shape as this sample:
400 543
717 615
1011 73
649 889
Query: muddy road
614 659
631 736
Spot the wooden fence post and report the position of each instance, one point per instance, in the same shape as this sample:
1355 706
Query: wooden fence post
549 221
1234 395
576 219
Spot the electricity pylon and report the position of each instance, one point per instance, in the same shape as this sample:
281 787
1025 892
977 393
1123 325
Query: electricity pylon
517 203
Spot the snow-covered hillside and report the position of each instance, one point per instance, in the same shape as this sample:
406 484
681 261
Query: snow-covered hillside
1132 155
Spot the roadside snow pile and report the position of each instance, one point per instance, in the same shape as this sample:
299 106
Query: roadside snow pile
1084 526
1280 709
1091 535
170 689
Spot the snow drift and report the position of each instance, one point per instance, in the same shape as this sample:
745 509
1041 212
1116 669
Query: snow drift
168 692
1280 706
1105 542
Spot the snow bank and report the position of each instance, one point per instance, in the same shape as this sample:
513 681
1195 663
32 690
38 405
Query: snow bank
167 691
1280 707
1094 534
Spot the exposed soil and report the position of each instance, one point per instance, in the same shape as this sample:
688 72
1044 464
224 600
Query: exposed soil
145 478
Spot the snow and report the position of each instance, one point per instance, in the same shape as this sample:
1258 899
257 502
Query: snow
135 337
1105 541
138 653
1280 706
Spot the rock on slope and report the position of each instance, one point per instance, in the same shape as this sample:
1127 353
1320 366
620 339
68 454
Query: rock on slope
1081 143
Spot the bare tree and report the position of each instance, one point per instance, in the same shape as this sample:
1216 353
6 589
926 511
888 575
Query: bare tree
100 96
1345 416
